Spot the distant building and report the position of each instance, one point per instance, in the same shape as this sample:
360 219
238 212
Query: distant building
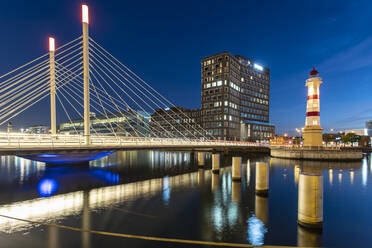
176 122
125 123
360 132
38 129
282 140
369 128
9 127
235 98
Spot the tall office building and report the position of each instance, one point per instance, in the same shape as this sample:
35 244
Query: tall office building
235 98
369 128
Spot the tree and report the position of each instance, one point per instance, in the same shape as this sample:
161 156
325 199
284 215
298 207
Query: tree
350 138
328 138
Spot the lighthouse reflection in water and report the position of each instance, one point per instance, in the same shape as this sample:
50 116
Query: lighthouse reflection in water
165 194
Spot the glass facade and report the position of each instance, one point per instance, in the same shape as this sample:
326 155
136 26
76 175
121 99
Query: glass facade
126 123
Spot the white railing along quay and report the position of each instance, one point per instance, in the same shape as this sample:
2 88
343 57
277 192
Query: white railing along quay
22 140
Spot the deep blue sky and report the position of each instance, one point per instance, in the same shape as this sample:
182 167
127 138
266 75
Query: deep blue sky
164 41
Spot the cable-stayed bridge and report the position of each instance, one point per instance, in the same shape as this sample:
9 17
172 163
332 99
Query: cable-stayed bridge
107 105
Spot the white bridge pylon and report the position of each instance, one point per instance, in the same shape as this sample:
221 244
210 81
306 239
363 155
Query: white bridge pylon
102 99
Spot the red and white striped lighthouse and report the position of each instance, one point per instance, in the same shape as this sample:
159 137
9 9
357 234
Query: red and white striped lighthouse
313 131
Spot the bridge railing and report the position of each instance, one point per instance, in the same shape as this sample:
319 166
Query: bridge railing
23 140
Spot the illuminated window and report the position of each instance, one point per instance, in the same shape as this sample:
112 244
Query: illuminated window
311 91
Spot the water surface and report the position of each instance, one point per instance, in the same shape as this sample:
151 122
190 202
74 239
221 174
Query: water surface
165 194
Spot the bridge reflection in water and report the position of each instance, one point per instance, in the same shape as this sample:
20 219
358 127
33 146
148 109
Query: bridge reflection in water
60 206
228 211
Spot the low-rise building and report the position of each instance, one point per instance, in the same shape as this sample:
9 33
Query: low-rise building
37 129
125 123
176 122
360 132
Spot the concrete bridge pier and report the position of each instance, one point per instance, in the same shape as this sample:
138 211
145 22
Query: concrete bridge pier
235 191
216 163
200 176
262 178
214 182
236 167
310 200
86 223
53 237
296 173
248 172
307 237
261 209
201 160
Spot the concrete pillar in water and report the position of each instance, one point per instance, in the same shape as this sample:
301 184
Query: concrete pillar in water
248 172
296 173
214 182
236 167
235 191
201 159
53 241
200 176
215 163
85 239
261 208
308 237
262 178
310 200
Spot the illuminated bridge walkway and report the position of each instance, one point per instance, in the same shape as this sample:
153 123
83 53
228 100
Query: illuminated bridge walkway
26 142
104 105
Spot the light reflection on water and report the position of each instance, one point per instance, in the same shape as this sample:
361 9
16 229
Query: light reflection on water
170 186
256 231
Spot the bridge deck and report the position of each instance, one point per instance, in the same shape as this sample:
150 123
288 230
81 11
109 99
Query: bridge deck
31 143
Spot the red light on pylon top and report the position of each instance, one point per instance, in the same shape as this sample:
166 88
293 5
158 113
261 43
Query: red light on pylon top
52 44
85 13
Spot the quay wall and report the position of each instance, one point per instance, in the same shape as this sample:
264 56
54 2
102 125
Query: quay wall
315 154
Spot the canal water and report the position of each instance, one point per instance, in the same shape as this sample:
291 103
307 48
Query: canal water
165 194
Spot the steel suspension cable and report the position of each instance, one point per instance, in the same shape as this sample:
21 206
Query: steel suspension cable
124 93
68 116
132 92
171 110
11 98
11 82
111 106
144 82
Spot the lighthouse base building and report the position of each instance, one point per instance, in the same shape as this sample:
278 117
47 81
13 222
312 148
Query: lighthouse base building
313 136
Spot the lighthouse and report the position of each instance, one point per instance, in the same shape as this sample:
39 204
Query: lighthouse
312 133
